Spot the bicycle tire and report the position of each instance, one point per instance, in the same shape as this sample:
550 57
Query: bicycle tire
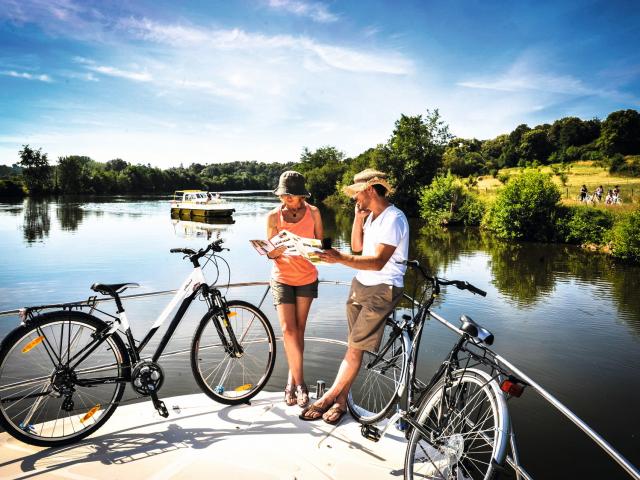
66 412
376 389
472 441
227 379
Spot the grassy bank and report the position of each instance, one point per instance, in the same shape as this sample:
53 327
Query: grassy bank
588 173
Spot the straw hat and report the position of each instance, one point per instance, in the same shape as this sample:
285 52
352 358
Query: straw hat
291 183
365 179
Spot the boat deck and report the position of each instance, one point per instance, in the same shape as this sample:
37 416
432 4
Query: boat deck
204 439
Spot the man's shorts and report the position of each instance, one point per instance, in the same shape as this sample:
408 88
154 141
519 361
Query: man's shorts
367 309
283 293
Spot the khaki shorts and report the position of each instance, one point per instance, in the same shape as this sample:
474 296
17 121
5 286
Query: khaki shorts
283 293
367 309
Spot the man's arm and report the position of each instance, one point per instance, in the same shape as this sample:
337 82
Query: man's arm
377 261
357 230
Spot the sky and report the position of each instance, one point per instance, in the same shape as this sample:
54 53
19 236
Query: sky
167 83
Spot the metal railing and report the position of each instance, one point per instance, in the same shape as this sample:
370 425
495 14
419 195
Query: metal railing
513 461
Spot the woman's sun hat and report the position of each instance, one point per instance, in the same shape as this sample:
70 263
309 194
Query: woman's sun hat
291 183
365 179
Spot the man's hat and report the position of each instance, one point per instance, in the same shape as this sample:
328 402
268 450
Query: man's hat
365 179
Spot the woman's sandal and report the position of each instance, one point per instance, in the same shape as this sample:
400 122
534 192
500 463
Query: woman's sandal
335 409
290 395
302 392
304 415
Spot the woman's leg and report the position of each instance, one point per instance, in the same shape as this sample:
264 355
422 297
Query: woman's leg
290 336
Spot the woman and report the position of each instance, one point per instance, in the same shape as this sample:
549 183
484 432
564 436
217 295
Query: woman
294 280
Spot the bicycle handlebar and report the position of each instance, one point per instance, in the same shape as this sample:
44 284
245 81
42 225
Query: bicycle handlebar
215 246
460 284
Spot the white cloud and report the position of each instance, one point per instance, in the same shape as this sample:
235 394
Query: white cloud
116 72
27 76
316 11
238 40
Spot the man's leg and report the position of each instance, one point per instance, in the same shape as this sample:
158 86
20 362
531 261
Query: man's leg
339 391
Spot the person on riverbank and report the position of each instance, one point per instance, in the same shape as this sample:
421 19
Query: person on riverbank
381 232
583 193
598 193
294 280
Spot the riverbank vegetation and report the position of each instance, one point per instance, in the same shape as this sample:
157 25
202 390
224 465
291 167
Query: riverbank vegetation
522 185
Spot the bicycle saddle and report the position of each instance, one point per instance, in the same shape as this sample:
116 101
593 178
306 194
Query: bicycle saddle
112 289
476 330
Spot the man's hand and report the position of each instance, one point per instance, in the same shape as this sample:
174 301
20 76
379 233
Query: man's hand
330 256
273 254
361 214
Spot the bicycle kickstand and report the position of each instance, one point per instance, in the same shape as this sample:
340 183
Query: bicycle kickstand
159 405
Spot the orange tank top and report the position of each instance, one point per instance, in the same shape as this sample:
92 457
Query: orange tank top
294 269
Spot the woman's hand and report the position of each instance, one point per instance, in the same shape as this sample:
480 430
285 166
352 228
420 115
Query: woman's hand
273 254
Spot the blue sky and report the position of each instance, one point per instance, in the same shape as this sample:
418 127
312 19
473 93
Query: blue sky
166 82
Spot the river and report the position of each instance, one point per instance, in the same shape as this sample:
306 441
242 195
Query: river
569 318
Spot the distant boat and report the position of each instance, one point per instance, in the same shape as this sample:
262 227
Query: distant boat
198 203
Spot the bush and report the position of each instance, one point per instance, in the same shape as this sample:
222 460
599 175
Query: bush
447 202
11 188
626 238
503 177
526 208
584 224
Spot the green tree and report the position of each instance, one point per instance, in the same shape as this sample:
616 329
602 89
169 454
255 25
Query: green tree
463 158
621 133
74 174
36 170
534 145
447 202
322 170
573 132
413 155
526 208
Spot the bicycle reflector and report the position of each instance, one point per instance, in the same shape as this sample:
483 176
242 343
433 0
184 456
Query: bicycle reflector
512 388
32 344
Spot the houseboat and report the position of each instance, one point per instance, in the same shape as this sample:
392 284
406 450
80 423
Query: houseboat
198 203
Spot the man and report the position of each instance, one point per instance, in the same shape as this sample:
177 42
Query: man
381 232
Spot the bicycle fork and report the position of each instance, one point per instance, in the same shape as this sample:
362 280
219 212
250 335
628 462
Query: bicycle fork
220 319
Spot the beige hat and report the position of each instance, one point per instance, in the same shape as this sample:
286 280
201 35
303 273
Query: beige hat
291 183
365 179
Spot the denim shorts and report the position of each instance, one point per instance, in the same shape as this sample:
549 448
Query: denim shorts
283 293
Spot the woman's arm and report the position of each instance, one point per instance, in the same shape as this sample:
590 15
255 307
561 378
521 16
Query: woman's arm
318 230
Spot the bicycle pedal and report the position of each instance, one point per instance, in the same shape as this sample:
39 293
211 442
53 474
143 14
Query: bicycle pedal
159 406
370 432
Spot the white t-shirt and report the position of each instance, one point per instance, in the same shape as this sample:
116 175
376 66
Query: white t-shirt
391 228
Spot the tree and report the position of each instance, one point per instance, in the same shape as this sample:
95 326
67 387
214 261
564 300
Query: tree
413 155
621 133
462 157
534 145
573 132
36 170
74 174
322 170
116 165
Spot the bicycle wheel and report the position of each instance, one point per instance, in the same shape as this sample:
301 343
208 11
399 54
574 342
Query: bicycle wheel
466 430
375 389
223 376
45 399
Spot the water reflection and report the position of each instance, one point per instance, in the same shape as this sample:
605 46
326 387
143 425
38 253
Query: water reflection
199 227
36 221
70 216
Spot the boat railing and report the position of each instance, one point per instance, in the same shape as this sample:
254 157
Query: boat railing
513 460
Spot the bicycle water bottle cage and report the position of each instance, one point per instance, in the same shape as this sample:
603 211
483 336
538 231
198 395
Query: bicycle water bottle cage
476 330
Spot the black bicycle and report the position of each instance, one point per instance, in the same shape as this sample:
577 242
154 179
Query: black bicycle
63 372
457 424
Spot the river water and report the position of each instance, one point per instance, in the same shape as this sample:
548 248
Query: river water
569 318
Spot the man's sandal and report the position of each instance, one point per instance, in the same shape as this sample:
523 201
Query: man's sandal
290 395
311 409
333 410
